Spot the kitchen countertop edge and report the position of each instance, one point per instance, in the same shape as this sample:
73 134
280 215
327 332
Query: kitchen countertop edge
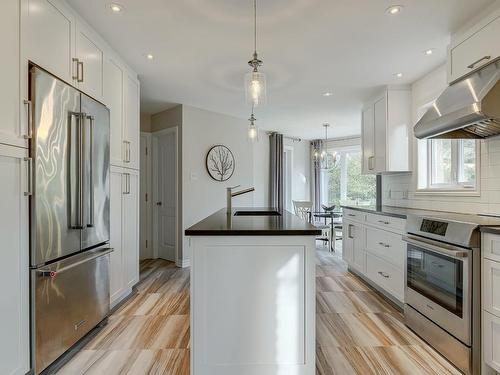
287 224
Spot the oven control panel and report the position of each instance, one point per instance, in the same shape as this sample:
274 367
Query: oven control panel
434 227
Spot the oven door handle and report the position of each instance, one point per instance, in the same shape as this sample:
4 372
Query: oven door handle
437 247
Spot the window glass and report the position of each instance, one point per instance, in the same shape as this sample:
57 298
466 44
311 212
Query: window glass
468 164
441 162
346 184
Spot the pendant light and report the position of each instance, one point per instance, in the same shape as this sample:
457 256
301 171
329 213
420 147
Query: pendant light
255 81
321 155
253 131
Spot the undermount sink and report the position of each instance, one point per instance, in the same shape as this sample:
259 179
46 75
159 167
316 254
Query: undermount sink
257 213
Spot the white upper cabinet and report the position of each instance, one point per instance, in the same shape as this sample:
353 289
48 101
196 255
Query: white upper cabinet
14 278
384 133
113 97
12 130
475 48
48 36
89 60
131 129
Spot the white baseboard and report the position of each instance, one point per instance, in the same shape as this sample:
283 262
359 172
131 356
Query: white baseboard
183 263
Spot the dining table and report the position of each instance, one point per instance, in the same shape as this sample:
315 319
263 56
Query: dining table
332 215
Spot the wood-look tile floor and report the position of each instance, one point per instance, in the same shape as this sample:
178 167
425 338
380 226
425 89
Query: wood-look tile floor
357 331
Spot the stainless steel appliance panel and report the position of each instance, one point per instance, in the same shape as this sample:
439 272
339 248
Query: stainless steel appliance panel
95 129
452 349
70 298
438 285
54 149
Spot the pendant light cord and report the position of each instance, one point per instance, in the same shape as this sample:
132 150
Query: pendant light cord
255 25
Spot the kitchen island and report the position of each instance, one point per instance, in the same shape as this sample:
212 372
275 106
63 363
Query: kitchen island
252 294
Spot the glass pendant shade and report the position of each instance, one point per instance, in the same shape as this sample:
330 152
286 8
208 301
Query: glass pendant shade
255 88
253 133
253 130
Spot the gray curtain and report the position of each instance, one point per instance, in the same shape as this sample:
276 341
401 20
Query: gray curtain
276 195
316 145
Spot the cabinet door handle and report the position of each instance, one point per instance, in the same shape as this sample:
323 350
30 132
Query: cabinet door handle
75 69
384 222
29 190
29 114
127 152
383 274
384 244
80 69
370 163
471 66
349 231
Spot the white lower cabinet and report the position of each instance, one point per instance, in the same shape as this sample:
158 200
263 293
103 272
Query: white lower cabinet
373 246
384 274
347 242
490 299
124 226
14 254
491 340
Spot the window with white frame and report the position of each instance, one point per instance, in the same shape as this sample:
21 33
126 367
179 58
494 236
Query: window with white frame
344 183
448 165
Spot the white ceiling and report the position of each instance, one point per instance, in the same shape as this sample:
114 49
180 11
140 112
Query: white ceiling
348 47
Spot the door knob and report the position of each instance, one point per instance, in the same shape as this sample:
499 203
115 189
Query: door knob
158 203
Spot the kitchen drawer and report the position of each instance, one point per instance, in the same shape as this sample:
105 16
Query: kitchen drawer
491 286
387 222
477 50
386 245
354 215
491 340
385 275
490 246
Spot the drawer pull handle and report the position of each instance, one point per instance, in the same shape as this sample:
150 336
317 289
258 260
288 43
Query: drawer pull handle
351 215
383 274
384 222
384 244
471 66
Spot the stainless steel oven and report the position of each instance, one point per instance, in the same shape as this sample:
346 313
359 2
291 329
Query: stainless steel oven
442 295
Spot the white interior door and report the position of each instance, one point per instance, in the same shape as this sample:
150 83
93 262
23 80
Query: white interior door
166 194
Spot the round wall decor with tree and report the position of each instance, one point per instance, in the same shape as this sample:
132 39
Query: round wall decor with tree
220 163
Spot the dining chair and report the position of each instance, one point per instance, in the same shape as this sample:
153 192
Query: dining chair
304 210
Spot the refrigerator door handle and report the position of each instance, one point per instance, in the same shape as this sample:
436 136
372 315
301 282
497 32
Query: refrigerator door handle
75 211
91 174
52 272
81 169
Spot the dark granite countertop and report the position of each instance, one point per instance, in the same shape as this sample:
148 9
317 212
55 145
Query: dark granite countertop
222 224
399 212
487 223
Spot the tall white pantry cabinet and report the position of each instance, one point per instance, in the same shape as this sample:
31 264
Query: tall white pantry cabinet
52 35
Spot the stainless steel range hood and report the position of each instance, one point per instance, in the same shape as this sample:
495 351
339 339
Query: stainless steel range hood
469 108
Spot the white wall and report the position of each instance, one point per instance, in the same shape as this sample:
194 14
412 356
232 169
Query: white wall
261 170
301 169
202 195
395 187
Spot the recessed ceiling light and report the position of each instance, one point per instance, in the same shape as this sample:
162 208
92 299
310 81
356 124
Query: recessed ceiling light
398 75
429 51
328 94
149 56
394 9
116 8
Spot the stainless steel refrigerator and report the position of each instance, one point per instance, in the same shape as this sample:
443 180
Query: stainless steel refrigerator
69 215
